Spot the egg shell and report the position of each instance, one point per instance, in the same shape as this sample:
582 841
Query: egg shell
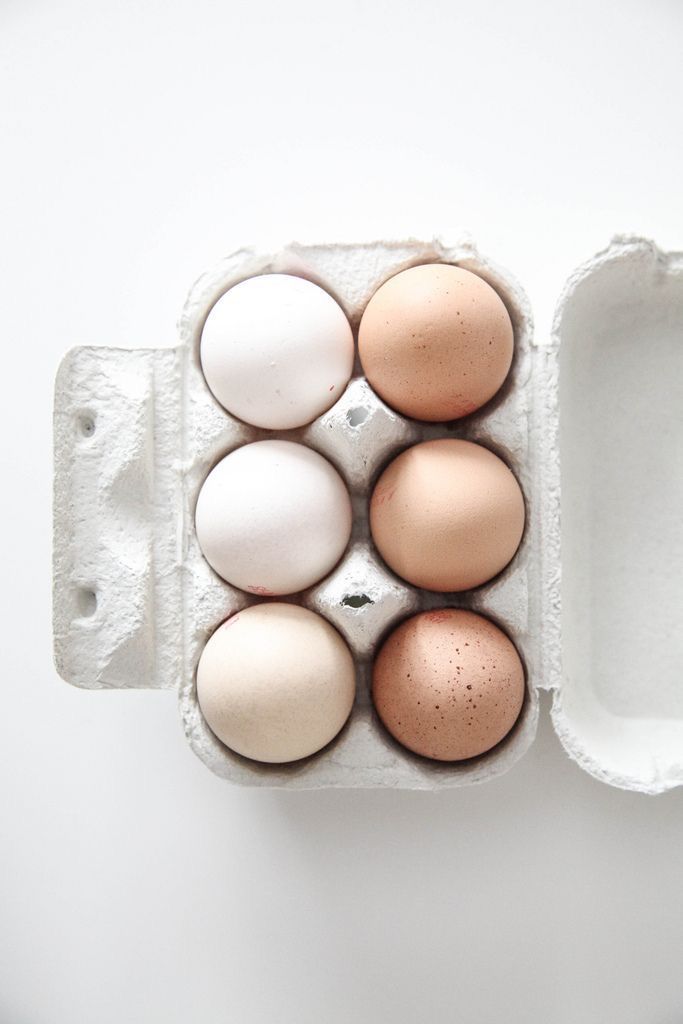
273 517
448 684
447 515
275 682
277 351
436 342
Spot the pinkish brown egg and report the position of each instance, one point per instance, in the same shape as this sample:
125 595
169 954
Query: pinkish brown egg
447 515
448 684
436 342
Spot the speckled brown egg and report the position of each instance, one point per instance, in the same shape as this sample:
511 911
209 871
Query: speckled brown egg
436 342
448 684
447 515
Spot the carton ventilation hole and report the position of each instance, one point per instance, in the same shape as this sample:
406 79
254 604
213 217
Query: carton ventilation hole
356 600
86 424
357 416
86 602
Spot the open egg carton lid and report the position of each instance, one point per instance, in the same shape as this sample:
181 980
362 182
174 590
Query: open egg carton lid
591 422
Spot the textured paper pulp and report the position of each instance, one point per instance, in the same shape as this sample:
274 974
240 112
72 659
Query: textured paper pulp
618 708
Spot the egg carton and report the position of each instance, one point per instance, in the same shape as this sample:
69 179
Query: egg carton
136 433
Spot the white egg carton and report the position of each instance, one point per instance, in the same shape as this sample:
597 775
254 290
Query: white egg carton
136 433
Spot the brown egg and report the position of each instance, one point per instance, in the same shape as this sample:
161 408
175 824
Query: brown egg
436 342
448 684
447 515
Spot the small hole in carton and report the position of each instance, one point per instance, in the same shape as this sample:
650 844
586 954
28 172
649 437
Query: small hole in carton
86 602
357 416
86 424
356 600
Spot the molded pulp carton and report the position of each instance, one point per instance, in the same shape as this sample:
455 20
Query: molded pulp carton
590 421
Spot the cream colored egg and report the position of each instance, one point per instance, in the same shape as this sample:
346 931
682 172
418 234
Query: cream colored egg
276 682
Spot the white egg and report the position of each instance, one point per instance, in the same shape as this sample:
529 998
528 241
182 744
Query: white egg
276 682
273 517
277 351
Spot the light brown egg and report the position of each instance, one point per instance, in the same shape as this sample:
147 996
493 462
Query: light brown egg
447 515
436 342
448 684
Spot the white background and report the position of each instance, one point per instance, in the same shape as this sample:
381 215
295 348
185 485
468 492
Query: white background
142 141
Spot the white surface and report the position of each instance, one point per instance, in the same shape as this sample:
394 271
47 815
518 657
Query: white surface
143 142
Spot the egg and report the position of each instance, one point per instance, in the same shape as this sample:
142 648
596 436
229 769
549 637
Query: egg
275 682
273 517
277 351
436 342
448 684
447 515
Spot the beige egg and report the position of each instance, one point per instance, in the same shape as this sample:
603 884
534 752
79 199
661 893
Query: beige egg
436 342
275 682
448 684
447 515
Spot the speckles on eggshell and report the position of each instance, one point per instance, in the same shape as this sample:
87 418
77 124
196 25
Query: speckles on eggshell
413 665
416 360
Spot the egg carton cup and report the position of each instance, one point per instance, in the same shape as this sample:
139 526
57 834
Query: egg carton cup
137 431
